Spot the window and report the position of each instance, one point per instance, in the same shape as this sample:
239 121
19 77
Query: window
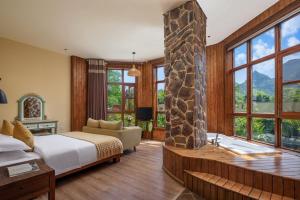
263 87
159 80
291 134
263 130
240 88
291 83
290 32
240 55
240 126
266 86
263 45
121 99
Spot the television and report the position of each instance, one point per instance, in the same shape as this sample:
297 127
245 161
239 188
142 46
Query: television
144 113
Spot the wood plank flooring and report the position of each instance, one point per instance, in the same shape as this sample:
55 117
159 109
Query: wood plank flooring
139 175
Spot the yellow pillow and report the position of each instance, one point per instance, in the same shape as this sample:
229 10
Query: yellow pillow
7 128
23 134
93 123
112 125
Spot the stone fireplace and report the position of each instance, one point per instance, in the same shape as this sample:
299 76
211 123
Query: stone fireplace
185 71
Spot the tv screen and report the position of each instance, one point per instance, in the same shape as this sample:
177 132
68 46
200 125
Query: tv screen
144 113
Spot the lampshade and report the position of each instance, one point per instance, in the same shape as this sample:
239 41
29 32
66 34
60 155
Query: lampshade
134 71
3 99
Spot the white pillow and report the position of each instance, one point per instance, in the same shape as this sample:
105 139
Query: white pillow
8 143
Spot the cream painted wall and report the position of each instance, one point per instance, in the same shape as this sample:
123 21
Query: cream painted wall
26 69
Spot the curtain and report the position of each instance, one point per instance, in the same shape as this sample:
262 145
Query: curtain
96 97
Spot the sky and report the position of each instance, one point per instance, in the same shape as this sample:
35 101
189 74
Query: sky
128 79
293 56
241 76
160 76
264 44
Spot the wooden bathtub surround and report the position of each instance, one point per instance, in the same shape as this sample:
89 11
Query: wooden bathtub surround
215 173
185 76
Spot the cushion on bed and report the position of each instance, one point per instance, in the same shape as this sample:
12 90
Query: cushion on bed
93 123
8 143
7 128
23 134
111 125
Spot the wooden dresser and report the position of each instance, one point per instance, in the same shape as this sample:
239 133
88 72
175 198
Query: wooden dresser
29 185
38 126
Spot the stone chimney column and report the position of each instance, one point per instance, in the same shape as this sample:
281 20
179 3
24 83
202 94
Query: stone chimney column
185 71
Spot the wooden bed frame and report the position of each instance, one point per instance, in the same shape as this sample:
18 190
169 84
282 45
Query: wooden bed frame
114 158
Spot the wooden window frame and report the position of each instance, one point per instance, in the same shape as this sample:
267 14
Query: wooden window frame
123 85
278 115
155 100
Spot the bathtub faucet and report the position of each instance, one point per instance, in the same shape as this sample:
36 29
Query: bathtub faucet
216 140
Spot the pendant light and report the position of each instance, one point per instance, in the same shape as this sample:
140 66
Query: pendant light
133 71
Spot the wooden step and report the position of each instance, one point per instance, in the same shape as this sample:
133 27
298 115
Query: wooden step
213 187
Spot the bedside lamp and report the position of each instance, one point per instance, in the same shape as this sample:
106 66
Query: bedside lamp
3 99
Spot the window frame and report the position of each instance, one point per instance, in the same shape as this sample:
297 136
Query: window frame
155 100
278 115
123 84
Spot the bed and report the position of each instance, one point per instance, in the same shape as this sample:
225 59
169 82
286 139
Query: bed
69 152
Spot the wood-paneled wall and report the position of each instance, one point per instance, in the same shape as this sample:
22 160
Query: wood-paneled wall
145 85
215 87
78 93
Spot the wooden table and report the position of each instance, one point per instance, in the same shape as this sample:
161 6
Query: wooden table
37 126
29 185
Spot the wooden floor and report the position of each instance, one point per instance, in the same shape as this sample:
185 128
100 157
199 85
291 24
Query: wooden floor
139 175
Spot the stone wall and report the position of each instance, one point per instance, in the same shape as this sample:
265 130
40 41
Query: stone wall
185 40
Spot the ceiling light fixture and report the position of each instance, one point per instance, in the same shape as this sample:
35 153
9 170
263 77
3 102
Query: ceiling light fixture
133 71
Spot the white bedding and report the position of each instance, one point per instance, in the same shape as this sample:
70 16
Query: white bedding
12 157
64 153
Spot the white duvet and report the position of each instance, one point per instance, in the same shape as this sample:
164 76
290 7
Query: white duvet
12 157
64 153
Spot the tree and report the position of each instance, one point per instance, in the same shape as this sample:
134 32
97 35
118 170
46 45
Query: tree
114 90
240 98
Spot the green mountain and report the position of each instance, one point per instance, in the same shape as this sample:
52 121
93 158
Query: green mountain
264 83
291 70
260 82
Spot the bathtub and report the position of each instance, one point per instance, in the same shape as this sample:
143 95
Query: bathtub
241 147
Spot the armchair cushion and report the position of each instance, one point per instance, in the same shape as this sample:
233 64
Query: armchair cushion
93 123
111 125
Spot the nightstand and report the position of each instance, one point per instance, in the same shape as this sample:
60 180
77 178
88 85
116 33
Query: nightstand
29 185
